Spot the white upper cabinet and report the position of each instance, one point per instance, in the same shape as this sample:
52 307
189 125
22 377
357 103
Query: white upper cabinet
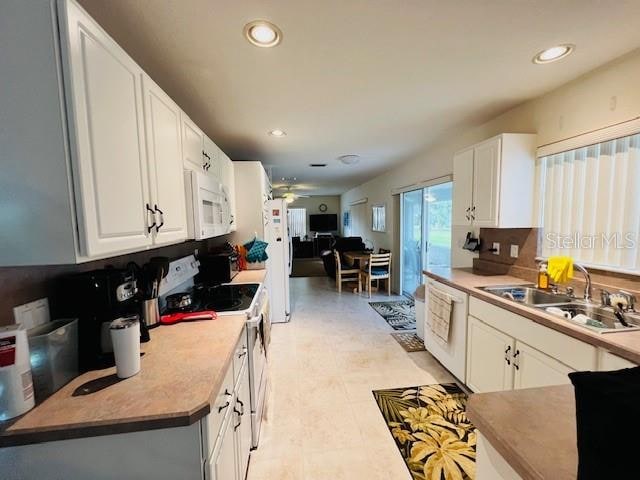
164 149
213 158
494 182
228 180
107 131
462 187
192 145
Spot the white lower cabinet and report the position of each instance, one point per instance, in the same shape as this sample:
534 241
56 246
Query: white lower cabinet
490 465
222 465
506 351
608 361
489 351
535 369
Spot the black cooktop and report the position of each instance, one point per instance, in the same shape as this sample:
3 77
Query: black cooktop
221 298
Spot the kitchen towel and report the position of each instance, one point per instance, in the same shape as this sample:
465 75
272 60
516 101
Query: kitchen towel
440 308
608 421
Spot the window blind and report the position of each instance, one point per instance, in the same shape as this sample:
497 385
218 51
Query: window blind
297 218
591 204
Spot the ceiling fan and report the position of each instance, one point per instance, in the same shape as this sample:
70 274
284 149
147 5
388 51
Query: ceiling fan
290 196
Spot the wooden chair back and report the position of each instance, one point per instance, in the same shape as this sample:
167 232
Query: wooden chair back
380 260
336 254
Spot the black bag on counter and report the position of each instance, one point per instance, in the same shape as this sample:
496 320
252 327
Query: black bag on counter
608 423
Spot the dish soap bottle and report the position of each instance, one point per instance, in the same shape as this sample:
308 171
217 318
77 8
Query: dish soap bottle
543 277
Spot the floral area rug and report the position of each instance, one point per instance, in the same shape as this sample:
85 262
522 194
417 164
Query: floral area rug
431 429
400 314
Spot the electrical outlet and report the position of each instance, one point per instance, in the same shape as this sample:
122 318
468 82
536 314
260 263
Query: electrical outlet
496 248
514 251
32 314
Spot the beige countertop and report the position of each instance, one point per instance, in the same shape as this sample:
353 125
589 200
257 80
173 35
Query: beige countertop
624 344
182 369
534 429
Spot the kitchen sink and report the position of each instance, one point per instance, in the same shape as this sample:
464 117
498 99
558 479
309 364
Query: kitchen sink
602 315
528 295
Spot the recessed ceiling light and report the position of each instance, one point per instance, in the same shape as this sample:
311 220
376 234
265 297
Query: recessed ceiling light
350 159
554 53
277 133
262 33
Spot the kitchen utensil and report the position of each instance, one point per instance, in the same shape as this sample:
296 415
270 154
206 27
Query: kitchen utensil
172 318
125 335
151 312
179 301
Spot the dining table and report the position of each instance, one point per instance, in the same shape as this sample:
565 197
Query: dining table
356 258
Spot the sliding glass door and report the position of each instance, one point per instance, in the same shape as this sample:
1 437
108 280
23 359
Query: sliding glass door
425 232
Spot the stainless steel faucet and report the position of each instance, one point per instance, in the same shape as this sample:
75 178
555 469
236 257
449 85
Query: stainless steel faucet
587 280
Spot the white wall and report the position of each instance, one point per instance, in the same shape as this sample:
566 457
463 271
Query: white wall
312 203
580 106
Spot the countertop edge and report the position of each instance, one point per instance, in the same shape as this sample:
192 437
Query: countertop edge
515 460
22 437
544 320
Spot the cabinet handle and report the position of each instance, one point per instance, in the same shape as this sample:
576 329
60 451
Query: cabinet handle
515 360
244 352
506 355
235 427
242 405
223 407
226 392
161 218
150 227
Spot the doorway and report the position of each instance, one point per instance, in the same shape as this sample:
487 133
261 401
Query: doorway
425 232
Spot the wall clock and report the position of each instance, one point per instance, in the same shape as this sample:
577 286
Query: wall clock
322 207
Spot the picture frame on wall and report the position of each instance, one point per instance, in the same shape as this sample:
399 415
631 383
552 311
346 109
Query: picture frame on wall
345 219
378 217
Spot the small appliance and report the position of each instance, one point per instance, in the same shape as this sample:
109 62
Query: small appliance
220 267
96 298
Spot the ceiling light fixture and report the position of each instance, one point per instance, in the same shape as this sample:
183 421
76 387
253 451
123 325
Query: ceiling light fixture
262 33
277 133
350 159
553 54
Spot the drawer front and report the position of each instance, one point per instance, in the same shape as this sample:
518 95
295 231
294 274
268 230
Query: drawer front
239 356
608 361
220 408
572 352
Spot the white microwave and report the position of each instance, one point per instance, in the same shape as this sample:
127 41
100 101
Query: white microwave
207 208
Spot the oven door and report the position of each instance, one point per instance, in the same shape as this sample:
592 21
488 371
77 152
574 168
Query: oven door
207 206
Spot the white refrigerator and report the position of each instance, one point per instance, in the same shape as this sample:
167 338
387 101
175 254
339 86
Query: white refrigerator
280 259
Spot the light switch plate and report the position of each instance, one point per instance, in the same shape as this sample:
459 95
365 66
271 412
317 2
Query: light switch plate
515 250
32 314
496 248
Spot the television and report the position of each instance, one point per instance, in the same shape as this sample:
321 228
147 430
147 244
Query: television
326 222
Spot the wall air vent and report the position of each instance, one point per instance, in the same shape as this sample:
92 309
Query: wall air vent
317 165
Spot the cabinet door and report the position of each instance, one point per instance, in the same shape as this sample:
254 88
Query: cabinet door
486 168
535 369
243 426
106 117
489 366
462 187
229 189
192 144
214 153
164 148
609 361
222 465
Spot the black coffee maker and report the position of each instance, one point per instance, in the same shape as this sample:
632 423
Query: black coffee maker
96 298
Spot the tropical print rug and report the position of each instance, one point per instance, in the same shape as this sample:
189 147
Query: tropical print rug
409 341
431 429
400 314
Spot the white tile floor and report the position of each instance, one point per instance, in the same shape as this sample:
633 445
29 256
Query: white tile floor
322 421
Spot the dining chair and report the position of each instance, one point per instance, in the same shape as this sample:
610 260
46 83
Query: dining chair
345 275
378 268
